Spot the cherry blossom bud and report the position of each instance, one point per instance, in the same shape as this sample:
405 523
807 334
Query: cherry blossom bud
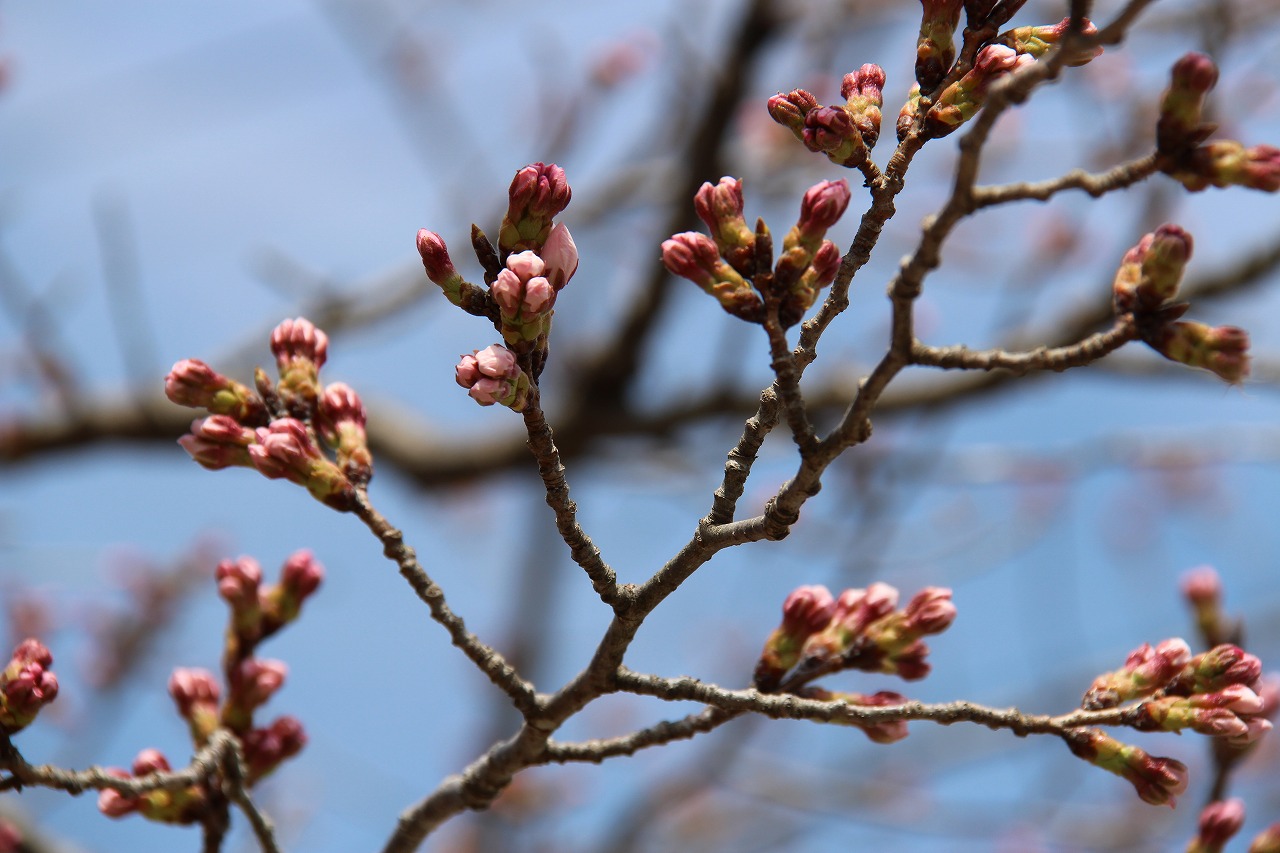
694 256
182 806
11 839
1145 671
1223 350
822 206
961 101
936 49
1211 671
806 611
930 611
1174 713
113 803
561 256
1228 163
890 731
340 420
491 375
863 94
300 577
1036 41
1267 841
150 761
196 693
193 383
1180 128
525 298
720 206
285 451
1158 781
439 266
909 112
266 748
909 663
1219 821
790 109
26 686
300 350
219 441
238 582
1150 272
834 132
537 195
1202 586
252 683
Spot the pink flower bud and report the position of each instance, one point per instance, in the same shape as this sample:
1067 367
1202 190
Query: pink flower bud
1180 127
150 761
961 101
910 664
1145 671
834 132
790 109
1219 821
301 574
538 194
194 691
1036 41
822 206
863 94
340 420
1158 781
561 256
1221 666
218 442
930 611
435 257
807 609
886 732
193 383
299 339
1202 587
253 682
113 803
26 686
492 375
1223 350
238 582
266 748
694 256
720 206
285 451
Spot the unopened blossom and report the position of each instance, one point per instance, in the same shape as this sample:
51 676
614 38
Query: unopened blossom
340 421
193 383
219 441
936 49
11 839
1228 163
112 803
808 261
252 683
720 206
177 806
525 297
439 266
301 350
961 101
197 695
1211 671
1223 350
1175 713
834 131
560 254
1146 670
790 109
1219 821
265 748
538 194
889 731
492 375
806 611
1180 127
1202 588
863 93
1036 41
285 450
26 686
694 256
803 294
281 603
1150 272
930 611
1159 781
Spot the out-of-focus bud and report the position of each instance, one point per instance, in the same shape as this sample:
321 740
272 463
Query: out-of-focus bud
285 451
1219 821
834 132
930 611
790 109
887 732
182 806
439 266
961 101
1179 129
1175 713
196 693
806 611
266 748
1145 671
300 350
560 255
491 375
282 602
538 194
863 91
219 441
252 683
936 49
150 761
694 256
1202 588
1036 41
1267 841
340 420
113 803
907 115
238 582
1223 350
720 206
1220 667
1150 272
1228 163
26 686
10 835
1158 781
193 383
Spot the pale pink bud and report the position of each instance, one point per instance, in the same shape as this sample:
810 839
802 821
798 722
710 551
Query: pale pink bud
435 257
113 803
301 574
1218 822
930 611
193 689
561 256
219 441
265 748
807 609
1202 586
193 383
253 681
299 339
284 450
691 255
150 761
492 375
238 581
340 420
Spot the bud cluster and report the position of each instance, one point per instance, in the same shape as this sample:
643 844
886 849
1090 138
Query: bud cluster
26 686
1202 588
861 629
1158 781
257 612
728 265
279 429
1181 137
1145 285
493 375
1214 693
845 132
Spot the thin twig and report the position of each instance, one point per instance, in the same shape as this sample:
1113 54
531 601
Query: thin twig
1056 359
235 787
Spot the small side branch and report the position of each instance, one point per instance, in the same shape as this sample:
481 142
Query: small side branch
1096 185
490 662
659 734
1056 359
